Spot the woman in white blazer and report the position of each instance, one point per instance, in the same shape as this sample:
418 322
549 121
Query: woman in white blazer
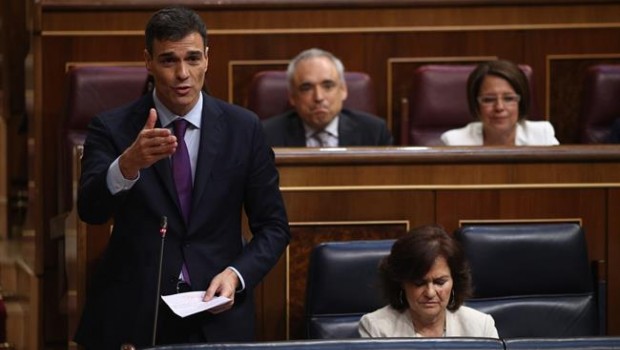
498 96
426 279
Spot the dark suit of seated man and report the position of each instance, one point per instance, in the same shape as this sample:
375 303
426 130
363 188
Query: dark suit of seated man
614 135
317 90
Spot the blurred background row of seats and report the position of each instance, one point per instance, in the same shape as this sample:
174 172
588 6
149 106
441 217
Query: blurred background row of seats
438 99
437 103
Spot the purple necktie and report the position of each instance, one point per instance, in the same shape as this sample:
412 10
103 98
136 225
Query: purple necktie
182 169
182 173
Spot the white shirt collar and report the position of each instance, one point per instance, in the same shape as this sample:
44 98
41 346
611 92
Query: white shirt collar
194 116
331 128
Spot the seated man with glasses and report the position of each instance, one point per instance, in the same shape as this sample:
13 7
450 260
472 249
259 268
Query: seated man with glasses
498 96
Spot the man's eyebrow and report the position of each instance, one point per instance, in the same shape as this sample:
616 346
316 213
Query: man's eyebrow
166 55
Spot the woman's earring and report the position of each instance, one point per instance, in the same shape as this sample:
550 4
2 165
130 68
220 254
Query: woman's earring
452 299
402 298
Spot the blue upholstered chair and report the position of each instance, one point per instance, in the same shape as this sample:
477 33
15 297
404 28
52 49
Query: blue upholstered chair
534 279
342 286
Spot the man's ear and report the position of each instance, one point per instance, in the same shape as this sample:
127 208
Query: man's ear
345 91
147 60
207 57
291 99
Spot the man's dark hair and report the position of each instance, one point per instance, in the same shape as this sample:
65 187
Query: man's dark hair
173 24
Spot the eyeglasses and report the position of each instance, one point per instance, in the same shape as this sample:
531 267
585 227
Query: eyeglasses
491 100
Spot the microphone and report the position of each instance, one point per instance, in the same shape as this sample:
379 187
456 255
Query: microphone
163 228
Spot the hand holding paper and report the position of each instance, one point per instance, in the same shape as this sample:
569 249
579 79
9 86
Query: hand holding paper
185 304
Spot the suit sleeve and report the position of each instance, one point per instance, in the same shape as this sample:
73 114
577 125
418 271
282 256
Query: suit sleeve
386 136
614 135
95 202
266 213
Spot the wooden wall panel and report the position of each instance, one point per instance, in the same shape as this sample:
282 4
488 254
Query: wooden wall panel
586 205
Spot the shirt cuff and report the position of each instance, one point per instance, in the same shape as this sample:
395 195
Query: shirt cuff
242 286
116 181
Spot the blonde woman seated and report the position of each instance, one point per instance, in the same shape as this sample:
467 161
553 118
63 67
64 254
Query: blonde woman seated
498 96
426 279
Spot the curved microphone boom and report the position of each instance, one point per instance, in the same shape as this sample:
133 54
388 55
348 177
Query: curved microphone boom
163 227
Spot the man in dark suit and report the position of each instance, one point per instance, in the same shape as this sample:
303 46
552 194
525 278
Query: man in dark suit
317 89
614 134
135 170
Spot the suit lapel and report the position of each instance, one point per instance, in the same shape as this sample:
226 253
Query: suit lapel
211 133
162 168
347 135
295 134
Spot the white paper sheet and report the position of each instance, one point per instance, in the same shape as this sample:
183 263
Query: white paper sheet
185 304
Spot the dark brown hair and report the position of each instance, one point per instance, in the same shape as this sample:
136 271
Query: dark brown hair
503 69
173 24
413 255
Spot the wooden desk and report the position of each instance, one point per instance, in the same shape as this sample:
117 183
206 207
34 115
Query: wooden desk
376 193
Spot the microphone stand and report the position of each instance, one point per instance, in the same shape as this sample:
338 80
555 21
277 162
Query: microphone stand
162 231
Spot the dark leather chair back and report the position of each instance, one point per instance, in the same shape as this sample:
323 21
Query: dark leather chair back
268 93
438 103
534 279
600 104
342 286
90 91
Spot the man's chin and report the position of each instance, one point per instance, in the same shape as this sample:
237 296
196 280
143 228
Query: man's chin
321 119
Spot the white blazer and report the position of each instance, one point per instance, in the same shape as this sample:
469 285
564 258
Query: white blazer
389 322
529 133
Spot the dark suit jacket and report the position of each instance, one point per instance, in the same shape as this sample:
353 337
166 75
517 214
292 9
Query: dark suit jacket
235 170
355 128
614 135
